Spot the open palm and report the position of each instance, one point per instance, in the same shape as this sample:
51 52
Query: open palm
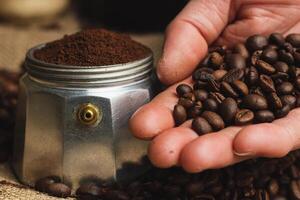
188 36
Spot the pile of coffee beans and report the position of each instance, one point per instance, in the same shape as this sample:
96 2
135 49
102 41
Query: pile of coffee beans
8 100
257 179
255 82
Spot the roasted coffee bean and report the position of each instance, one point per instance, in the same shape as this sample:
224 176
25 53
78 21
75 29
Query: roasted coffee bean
214 120
219 49
43 183
200 95
281 67
279 113
277 39
59 190
252 76
256 42
289 100
285 88
279 77
199 85
194 112
187 103
266 83
263 116
241 49
292 72
233 74
265 67
236 61
294 39
288 47
202 74
295 189
201 126
240 87
183 89
215 60
213 85
269 56
228 109
219 74
89 190
244 117
297 83
218 97
286 57
189 96
194 188
274 101
227 90
210 104
255 102
273 187
116 195
179 114
256 56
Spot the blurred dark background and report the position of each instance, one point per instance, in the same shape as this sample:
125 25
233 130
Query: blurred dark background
137 15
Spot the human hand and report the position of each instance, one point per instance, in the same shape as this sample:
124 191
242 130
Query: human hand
187 38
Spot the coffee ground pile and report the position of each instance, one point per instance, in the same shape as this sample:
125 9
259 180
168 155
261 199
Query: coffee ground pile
255 82
94 47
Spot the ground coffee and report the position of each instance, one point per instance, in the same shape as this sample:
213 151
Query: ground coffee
94 47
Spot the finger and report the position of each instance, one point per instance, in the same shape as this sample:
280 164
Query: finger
188 36
263 19
156 116
270 139
164 150
210 151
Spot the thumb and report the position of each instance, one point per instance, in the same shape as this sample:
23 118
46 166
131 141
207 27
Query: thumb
188 36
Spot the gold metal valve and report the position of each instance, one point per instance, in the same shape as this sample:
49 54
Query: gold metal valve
89 114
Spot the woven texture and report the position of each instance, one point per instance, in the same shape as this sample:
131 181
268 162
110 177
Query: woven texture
14 42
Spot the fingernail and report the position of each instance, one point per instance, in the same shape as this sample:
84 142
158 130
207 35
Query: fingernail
244 154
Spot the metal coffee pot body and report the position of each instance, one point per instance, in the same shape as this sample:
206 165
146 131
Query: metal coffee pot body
73 121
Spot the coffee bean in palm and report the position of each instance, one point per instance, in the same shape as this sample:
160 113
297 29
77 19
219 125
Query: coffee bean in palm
266 83
263 116
215 60
288 47
213 85
285 88
286 57
233 74
295 189
252 76
185 102
183 89
202 74
255 102
59 190
256 42
218 97
235 61
281 67
269 56
255 57
292 72
244 117
219 74
227 90
214 120
241 49
228 109
279 113
240 87
265 67
199 85
294 39
274 101
289 100
201 126
277 39
211 105
200 95
179 114
194 111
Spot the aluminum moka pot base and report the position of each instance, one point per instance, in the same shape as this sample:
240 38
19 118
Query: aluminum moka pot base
72 121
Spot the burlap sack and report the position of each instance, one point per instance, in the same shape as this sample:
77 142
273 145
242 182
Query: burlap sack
14 42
